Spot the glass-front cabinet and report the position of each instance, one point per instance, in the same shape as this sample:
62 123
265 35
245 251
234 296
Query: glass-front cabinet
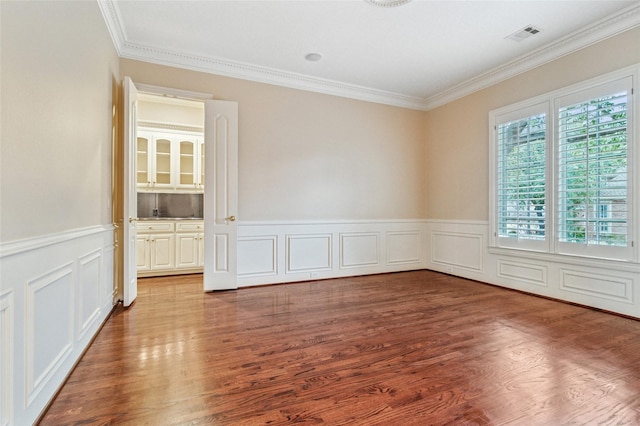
191 163
170 161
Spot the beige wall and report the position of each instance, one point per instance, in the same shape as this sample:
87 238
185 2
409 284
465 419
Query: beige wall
58 70
308 156
457 134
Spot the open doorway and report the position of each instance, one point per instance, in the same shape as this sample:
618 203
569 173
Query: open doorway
151 165
170 183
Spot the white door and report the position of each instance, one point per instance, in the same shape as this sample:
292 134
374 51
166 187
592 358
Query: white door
220 195
130 281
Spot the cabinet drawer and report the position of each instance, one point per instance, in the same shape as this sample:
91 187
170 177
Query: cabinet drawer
151 226
190 226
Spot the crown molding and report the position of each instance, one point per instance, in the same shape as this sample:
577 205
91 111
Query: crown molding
601 30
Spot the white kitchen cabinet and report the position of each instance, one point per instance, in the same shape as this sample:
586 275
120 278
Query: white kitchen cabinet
190 163
155 246
168 161
189 244
167 247
155 161
163 251
143 253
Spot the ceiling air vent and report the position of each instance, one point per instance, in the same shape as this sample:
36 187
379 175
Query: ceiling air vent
526 32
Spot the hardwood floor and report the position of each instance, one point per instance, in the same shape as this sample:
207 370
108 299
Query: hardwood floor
412 348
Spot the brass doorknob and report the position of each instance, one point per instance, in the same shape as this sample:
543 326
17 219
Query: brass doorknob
231 218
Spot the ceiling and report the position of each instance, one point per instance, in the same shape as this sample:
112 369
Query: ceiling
419 55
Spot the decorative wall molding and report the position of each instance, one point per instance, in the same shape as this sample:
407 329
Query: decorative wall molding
608 27
57 290
276 252
49 326
510 269
260 255
29 244
460 248
359 249
403 247
308 252
599 31
89 284
610 286
457 249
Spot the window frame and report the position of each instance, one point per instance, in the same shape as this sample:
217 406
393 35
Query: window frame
628 78
521 112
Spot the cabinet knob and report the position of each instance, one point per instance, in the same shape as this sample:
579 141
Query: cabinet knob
230 218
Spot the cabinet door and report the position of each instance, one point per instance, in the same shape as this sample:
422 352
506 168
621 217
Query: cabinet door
143 253
190 168
163 163
162 251
143 157
187 250
187 173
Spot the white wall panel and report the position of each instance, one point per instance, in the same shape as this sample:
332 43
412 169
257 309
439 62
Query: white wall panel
88 291
6 358
57 290
49 332
458 250
258 256
308 252
403 247
277 252
610 286
522 271
359 249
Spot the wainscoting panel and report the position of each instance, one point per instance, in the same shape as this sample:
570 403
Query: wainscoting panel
359 249
611 286
6 358
277 252
523 271
454 249
308 253
49 316
260 256
403 247
460 248
57 290
89 291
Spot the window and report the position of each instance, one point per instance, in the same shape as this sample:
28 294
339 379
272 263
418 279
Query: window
561 176
521 177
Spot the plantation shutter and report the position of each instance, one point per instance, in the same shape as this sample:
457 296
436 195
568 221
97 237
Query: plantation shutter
521 161
593 205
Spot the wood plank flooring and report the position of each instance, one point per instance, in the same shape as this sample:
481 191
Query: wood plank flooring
411 348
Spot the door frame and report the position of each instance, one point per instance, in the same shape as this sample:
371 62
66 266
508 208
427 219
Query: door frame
119 192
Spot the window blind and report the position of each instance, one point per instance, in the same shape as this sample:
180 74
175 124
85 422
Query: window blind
521 164
592 171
